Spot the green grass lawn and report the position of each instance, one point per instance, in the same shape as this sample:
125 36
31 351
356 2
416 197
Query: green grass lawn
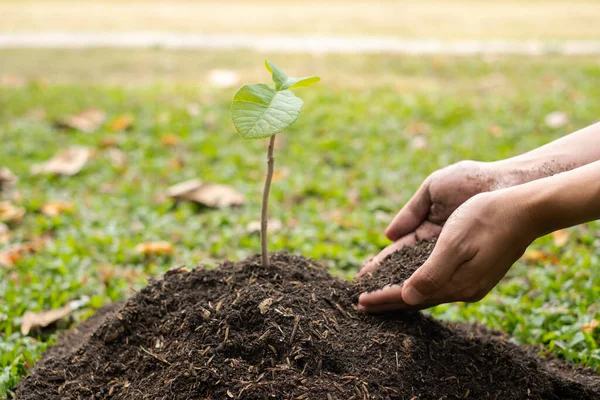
343 170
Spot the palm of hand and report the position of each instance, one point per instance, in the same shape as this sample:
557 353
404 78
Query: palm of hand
437 198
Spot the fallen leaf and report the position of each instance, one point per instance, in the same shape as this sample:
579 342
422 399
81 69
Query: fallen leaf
11 255
155 248
121 123
265 304
418 128
4 233
560 237
176 163
86 121
418 143
223 78
35 320
54 208
338 216
109 141
495 131
169 140
213 195
7 178
537 256
273 225
116 157
66 162
10 213
556 119
591 326
280 174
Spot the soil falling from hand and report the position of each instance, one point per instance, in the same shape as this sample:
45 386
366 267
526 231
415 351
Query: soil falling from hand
289 331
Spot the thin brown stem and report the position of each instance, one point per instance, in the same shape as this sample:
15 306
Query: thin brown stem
265 204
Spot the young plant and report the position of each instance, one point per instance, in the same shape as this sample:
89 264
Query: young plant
260 111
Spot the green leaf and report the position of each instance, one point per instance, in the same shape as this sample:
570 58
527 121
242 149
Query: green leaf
284 82
258 111
279 77
293 83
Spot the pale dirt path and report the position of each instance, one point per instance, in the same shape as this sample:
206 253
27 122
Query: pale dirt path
294 44
447 19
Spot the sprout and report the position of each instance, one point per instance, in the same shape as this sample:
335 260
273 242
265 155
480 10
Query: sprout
261 111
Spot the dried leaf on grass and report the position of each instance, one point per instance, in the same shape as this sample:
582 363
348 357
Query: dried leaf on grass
538 256
209 194
121 123
12 254
7 178
10 213
86 121
495 131
280 174
560 237
418 128
591 326
108 141
35 320
54 208
4 233
169 140
117 158
66 162
155 248
556 119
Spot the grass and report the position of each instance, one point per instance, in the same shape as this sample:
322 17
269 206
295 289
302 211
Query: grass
459 19
343 170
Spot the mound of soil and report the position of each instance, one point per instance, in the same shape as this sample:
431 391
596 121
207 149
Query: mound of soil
289 331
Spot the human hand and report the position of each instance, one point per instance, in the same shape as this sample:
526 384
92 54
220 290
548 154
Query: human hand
437 198
478 244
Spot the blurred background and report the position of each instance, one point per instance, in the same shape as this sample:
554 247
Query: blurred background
104 105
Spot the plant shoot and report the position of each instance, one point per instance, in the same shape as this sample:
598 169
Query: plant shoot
260 111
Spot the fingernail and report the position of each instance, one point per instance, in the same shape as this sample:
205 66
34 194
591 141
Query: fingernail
412 296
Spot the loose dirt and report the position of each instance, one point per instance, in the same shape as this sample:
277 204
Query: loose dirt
290 331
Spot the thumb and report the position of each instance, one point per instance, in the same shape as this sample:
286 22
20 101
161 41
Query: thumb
432 275
411 215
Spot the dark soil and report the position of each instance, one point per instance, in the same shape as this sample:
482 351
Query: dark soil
290 331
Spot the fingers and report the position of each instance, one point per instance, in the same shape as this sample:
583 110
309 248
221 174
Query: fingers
407 240
411 215
434 274
389 294
390 299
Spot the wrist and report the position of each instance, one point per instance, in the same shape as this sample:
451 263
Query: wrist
526 168
522 204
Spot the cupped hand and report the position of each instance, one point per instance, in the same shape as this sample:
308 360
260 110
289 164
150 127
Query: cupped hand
480 241
437 198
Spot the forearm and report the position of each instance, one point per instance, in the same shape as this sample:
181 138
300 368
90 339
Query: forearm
564 154
559 201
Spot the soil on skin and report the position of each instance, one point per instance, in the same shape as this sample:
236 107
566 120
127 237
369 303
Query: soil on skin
289 331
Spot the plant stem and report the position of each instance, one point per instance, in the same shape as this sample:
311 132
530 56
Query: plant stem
265 204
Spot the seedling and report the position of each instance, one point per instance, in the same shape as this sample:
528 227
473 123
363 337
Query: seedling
260 111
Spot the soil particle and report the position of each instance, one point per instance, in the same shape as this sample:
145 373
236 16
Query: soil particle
289 331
